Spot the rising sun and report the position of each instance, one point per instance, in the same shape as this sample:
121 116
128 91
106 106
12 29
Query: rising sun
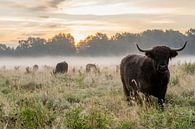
78 37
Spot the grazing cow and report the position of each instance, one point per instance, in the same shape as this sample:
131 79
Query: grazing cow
73 70
17 68
61 67
47 67
28 70
147 74
91 67
117 68
35 68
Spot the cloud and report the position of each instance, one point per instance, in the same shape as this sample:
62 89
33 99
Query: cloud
55 3
115 9
45 18
36 34
38 8
32 5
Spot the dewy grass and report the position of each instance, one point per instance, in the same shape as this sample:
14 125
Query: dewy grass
77 100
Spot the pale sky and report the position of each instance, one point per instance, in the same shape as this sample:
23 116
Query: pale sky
20 19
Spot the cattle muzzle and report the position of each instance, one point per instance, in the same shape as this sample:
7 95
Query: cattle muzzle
162 68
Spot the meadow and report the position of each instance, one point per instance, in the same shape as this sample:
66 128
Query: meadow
77 100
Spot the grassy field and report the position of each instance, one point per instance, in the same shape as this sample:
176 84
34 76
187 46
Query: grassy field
40 100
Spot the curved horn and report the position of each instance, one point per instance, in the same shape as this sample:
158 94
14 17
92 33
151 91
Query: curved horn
179 49
141 50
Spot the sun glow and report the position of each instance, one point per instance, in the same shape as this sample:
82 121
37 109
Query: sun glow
78 37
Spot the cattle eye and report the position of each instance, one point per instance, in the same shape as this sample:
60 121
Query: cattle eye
150 54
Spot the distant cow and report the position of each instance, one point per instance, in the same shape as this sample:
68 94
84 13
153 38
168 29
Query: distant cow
117 68
73 70
147 74
35 68
91 67
28 70
61 67
17 68
47 67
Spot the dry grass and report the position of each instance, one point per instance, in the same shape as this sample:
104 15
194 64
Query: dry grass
84 101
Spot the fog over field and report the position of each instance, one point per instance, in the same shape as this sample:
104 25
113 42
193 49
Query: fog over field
11 62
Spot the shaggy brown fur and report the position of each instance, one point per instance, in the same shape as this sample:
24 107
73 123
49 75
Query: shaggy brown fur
147 74
61 67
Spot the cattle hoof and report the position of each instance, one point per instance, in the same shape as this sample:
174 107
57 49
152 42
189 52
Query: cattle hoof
130 103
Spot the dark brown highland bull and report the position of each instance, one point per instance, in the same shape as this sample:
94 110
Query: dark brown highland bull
147 74
61 67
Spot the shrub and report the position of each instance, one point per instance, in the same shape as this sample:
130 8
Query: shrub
33 118
98 120
77 119
74 119
31 113
173 118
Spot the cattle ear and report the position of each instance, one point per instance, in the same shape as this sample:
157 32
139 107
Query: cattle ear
149 54
173 54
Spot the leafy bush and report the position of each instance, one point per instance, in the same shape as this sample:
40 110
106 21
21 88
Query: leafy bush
77 119
98 119
33 118
74 119
31 113
173 118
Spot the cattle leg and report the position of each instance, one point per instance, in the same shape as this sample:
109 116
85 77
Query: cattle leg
138 98
147 99
126 91
161 103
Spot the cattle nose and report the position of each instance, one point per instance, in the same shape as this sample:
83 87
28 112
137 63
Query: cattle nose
163 67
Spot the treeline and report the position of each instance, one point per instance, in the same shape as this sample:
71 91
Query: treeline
100 44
